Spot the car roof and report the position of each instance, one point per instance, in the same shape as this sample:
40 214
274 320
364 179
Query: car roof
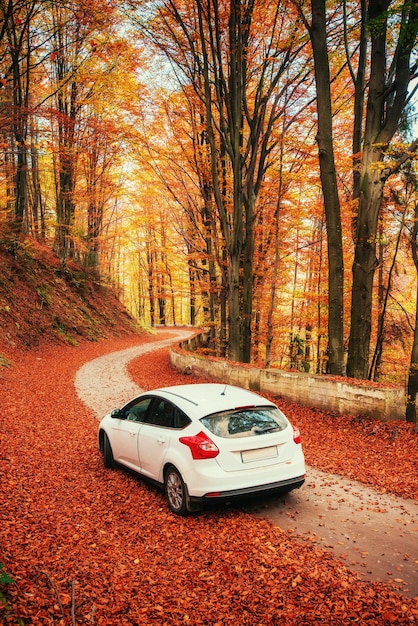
200 399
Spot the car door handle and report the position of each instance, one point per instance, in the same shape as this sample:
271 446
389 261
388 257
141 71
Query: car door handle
132 433
161 440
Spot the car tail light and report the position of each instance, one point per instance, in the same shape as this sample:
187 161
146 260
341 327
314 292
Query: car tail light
201 446
296 435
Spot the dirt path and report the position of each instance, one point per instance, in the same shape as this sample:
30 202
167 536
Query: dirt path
374 534
104 383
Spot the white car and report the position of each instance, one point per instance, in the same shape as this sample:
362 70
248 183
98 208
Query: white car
204 442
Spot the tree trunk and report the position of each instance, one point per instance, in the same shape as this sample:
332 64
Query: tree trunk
223 333
364 266
383 299
192 291
359 81
20 128
151 276
234 313
329 189
38 210
412 390
273 286
247 287
276 258
236 235
411 407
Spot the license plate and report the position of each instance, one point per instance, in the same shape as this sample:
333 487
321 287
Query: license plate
258 455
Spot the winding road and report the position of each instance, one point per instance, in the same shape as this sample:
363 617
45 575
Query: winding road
373 534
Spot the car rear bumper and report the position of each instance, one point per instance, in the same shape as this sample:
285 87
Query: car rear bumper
279 486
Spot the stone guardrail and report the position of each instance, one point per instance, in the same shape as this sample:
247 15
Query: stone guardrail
322 392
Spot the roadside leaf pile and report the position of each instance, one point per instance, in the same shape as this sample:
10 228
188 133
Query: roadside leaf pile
88 546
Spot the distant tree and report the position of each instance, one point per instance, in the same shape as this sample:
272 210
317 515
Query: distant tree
17 41
385 290
70 48
86 53
234 54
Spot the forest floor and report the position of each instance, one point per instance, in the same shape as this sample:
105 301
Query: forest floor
331 511
87 546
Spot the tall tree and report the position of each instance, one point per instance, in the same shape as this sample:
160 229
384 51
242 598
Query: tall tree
77 63
412 388
17 30
384 291
67 56
317 28
393 63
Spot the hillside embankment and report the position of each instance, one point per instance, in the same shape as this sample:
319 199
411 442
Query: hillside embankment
43 301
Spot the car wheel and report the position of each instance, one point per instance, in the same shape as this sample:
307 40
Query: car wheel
107 452
175 491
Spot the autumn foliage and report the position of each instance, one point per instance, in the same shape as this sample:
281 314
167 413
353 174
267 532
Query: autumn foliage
174 151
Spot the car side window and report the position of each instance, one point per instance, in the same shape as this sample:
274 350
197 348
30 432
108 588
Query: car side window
180 419
162 414
137 412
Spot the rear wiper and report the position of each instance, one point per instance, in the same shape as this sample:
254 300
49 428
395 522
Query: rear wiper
260 430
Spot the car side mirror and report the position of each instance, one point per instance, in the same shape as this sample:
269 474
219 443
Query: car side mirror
116 414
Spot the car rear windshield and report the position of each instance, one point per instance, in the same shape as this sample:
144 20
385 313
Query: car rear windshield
246 422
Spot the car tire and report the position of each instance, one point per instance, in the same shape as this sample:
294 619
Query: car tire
107 453
175 491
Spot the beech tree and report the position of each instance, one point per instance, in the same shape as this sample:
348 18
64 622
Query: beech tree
65 59
317 29
18 40
184 173
412 386
73 43
390 67
393 63
52 56
234 55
